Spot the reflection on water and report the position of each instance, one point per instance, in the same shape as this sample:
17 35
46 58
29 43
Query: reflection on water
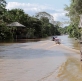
70 71
64 40
20 41
7 44
24 40
71 42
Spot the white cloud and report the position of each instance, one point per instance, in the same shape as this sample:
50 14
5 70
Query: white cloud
28 6
59 15
33 8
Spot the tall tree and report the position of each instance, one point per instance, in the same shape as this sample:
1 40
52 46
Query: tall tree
45 14
73 12
2 8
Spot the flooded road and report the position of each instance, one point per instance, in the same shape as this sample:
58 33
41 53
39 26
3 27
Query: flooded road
39 61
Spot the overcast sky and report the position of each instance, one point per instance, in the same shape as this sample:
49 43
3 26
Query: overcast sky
53 7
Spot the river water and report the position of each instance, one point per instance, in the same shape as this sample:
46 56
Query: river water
65 40
36 60
70 42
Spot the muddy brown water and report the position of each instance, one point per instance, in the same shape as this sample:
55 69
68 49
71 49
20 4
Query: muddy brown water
71 70
70 42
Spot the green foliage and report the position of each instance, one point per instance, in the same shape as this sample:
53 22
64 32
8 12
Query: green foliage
36 27
2 8
62 30
74 10
5 32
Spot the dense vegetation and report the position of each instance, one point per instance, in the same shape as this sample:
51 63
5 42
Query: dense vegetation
35 27
74 10
38 26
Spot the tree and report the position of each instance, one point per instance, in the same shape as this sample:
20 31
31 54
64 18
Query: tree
36 27
2 8
73 12
45 14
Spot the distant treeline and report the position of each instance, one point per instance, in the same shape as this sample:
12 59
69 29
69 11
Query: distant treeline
34 27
